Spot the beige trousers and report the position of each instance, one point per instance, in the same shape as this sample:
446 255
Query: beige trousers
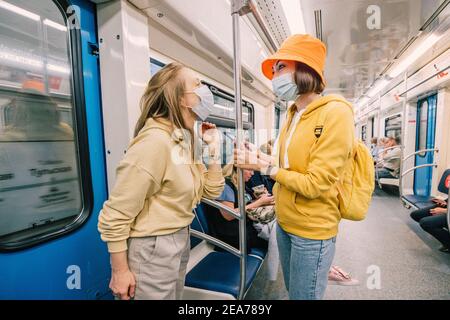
159 265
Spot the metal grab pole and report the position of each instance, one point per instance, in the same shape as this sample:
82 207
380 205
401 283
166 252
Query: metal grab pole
403 132
448 210
238 8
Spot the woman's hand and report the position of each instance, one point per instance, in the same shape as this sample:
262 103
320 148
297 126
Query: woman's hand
123 284
265 192
250 158
437 211
265 200
209 133
439 202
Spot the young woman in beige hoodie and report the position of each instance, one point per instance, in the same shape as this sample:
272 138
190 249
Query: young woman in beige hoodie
146 219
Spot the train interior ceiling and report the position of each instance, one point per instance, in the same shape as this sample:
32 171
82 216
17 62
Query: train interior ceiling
390 59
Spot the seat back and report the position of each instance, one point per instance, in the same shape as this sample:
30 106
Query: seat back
200 219
445 182
200 224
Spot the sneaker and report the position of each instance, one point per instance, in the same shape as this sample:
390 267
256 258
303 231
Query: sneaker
337 276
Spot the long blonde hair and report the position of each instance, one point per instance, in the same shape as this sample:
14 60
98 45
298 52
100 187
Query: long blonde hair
162 97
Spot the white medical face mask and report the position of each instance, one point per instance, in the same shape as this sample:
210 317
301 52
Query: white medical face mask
285 87
204 108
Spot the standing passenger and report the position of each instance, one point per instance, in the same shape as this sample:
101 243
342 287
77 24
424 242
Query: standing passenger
314 147
147 216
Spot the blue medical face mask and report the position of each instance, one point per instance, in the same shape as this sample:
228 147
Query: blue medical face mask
285 87
204 108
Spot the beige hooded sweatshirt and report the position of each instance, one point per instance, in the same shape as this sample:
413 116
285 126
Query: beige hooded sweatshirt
157 187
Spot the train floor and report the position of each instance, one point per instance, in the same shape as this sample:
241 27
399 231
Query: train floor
388 252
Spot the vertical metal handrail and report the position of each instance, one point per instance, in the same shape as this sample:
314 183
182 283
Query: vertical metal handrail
448 210
239 8
403 132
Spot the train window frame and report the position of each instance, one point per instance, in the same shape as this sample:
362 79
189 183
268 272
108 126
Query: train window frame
157 63
228 122
74 46
389 118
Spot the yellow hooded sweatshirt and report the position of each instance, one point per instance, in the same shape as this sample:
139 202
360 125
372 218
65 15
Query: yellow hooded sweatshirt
305 193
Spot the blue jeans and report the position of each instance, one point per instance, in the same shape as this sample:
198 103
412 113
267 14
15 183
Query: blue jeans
305 264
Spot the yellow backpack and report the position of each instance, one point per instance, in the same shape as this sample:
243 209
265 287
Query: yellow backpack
357 183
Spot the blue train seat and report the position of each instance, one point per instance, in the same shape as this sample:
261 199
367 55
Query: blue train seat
196 225
225 278
202 216
421 202
225 275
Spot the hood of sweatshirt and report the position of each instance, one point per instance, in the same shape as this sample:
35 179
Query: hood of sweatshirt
319 103
164 125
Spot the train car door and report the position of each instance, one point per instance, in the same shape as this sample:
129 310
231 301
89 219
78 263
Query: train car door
52 166
425 139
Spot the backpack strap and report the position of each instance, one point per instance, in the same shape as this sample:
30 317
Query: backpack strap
319 129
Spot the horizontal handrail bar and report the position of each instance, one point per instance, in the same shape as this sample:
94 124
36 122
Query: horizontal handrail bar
260 21
216 242
384 160
386 149
419 151
418 167
223 207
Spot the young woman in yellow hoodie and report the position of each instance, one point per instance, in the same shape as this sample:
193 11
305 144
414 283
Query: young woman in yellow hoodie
313 148
146 219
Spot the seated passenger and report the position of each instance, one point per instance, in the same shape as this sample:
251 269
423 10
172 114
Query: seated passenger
433 220
224 226
380 146
382 142
389 166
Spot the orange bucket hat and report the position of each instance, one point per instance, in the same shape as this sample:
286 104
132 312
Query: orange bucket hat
302 48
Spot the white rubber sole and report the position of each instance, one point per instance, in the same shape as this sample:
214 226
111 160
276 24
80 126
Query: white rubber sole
343 283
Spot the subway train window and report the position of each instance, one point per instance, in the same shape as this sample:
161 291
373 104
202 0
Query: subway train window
228 138
40 187
393 126
223 115
422 128
224 106
155 66
364 133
